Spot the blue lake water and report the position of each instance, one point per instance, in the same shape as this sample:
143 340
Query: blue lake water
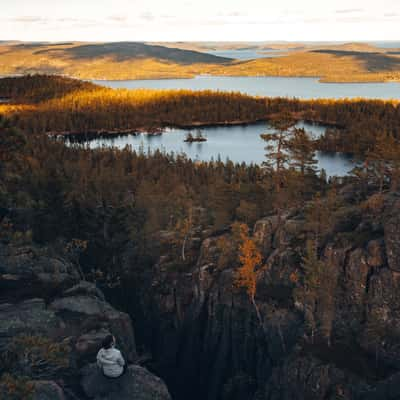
247 54
389 44
304 88
238 143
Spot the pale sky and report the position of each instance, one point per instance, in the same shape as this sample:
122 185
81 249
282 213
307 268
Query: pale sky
206 20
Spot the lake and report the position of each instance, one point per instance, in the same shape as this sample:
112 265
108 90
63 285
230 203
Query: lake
240 143
247 54
389 44
304 88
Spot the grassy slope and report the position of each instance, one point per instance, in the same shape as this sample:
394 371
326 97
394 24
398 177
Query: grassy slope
341 63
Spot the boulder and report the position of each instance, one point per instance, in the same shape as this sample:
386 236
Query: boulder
264 231
27 272
290 231
88 344
136 384
388 389
85 288
27 317
47 390
88 318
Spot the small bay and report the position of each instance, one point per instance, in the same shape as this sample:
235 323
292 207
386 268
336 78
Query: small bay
238 143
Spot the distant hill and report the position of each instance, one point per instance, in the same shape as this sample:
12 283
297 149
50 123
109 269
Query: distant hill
124 51
121 60
332 62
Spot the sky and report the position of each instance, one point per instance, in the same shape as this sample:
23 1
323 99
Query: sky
206 20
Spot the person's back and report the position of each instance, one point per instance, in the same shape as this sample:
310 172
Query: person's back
110 359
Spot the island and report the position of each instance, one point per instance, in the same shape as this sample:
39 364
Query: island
197 138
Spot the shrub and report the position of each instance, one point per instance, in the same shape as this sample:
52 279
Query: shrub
35 357
16 388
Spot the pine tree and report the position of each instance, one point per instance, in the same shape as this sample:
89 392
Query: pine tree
302 152
277 164
383 162
277 145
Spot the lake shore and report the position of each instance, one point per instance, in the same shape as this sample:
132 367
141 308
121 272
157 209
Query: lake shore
152 131
237 143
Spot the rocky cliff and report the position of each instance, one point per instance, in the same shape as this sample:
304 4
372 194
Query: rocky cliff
342 343
43 301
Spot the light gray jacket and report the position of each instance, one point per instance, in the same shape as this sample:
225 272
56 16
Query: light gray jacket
111 362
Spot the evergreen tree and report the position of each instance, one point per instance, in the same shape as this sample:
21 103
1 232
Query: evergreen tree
302 152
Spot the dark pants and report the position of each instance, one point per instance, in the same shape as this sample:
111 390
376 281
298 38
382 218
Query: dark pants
116 377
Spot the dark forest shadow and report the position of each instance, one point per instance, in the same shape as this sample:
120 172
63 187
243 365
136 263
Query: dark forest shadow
374 62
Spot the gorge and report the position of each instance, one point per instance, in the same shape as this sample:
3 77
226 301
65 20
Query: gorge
150 248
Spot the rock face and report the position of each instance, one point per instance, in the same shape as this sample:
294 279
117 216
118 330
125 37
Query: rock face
207 342
392 235
303 378
48 390
136 384
206 336
42 295
27 272
338 341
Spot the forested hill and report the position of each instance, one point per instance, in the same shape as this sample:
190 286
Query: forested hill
120 60
34 89
123 51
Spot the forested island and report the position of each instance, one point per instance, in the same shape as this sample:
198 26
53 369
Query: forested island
198 137
242 282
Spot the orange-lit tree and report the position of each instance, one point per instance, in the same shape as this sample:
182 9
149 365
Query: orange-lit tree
250 259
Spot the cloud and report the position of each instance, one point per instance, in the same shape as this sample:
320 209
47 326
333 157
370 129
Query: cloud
147 16
315 20
118 18
350 11
64 20
234 14
30 19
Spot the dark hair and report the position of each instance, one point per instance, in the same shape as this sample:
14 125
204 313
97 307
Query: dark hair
108 341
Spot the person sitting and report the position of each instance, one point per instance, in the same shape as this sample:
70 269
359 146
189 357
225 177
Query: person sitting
110 360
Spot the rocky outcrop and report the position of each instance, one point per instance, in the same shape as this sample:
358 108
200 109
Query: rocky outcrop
306 377
136 384
392 234
389 389
30 316
48 390
28 272
42 296
89 317
342 342
207 340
